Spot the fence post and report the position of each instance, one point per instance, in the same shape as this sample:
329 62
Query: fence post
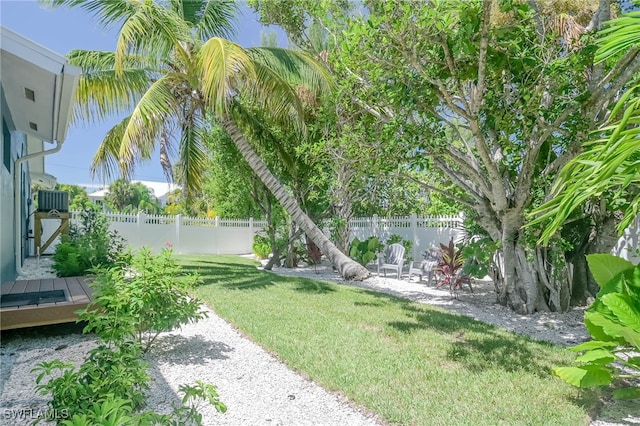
250 233
141 220
217 221
374 225
414 230
178 225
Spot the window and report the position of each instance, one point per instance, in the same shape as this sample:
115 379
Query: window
6 146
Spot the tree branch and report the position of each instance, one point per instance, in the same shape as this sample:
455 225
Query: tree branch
478 96
454 175
436 189
469 168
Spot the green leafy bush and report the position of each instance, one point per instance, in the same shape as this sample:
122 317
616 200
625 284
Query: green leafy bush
117 370
613 321
261 246
480 254
140 302
88 245
133 302
66 260
365 251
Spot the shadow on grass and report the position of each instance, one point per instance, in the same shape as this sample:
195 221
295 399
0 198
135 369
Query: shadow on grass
230 275
235 276
475 345
305 285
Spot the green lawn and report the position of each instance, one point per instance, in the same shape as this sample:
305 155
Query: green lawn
408 362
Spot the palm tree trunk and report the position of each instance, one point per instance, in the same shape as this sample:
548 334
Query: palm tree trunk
348 268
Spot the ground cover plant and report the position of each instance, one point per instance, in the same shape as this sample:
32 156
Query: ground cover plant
410 363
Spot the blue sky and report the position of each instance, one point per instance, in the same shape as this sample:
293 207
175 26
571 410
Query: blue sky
62 30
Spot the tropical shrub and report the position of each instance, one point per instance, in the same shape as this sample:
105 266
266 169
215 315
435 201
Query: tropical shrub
133 302
88 245
613 321
108 370
450 267
261 246
365 251
140 302
479 256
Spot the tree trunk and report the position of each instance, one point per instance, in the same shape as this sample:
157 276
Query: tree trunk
342 204
348 268
527 280
272 233
291 260
600 239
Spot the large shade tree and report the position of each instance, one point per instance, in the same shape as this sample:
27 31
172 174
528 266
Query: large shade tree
499 96
173 71
493 98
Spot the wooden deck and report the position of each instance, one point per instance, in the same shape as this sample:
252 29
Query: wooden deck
77 295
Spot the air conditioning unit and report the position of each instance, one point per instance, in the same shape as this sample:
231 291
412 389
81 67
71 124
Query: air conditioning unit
53 200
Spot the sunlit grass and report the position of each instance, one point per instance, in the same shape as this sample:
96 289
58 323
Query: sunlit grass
408 362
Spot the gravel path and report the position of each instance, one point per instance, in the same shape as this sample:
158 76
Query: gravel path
257 388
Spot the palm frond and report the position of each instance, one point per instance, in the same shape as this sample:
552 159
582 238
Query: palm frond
210 18
611 161
618 36
565 26
105 162
106 12
193 155
224 65
101 93
166 154
279 100
296 67
154 111
152 30
259 133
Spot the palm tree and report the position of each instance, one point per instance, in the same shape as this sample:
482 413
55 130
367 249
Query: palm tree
175 71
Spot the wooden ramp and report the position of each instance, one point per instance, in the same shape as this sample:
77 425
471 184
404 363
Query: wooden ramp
33 311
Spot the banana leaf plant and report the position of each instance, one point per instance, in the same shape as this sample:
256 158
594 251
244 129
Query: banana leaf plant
613 321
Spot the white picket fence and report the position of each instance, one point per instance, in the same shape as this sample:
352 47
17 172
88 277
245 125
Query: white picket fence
190 235
423 232
187 235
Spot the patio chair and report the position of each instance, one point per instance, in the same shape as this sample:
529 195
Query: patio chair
426 266
392 259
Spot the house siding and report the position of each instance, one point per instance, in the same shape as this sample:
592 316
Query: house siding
13 146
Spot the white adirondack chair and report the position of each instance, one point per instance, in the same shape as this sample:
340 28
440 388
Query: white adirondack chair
392 259
426 266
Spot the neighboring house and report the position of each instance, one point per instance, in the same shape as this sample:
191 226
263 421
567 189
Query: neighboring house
160 190
37 90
